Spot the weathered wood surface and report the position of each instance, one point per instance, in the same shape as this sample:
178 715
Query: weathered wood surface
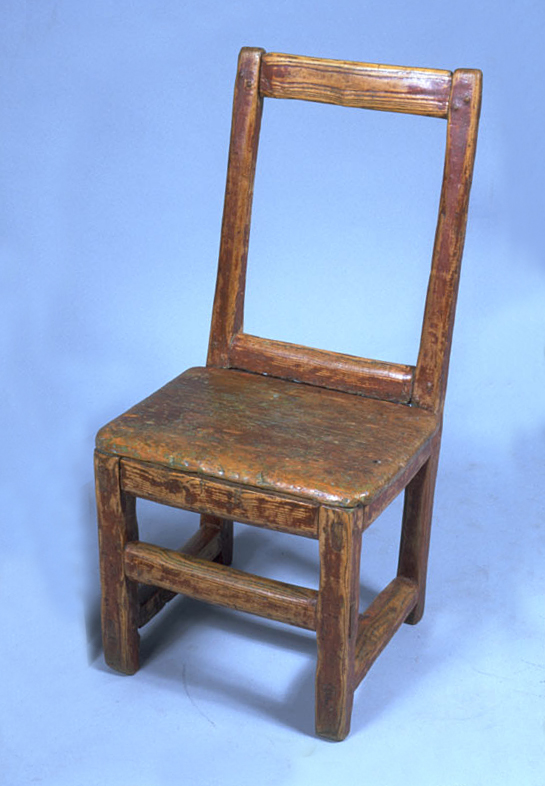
221 585
350 374
228 311
206 544
336 620
224 528
420 91
193 492
318 459
390 492
416 528
271 434
119 601
433 359
381 620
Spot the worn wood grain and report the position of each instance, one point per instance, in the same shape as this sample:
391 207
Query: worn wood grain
119 600
292 438
221 585
224 528
219 498
381 620
348 373
389 492
270 434
433 358
206 544
336 619
420 91
228 310
416 528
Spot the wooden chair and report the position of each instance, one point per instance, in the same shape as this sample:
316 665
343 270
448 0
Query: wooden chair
298 440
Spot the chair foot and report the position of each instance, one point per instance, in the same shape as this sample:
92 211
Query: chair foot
333 713
119 605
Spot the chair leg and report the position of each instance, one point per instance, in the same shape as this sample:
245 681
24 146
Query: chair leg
337 620
225 557
416 528
116 527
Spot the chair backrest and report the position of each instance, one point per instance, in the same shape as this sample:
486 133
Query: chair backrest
453 96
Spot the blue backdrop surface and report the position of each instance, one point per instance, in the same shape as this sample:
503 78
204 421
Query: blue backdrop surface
115 125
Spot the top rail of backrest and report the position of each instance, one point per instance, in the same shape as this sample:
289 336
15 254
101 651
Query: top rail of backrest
418 91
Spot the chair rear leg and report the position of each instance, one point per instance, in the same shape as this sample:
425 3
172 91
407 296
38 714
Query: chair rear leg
225 557
337 620
116 527
416 529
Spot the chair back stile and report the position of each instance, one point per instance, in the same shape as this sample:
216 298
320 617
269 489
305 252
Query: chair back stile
228 311
433 359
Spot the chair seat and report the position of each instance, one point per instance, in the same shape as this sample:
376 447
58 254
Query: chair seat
280 436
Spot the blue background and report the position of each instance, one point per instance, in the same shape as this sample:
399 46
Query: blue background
115 124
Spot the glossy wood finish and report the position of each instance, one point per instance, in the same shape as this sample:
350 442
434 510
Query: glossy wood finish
292 438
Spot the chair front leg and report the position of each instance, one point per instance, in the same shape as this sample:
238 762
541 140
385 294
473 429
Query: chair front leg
116 527
337 619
